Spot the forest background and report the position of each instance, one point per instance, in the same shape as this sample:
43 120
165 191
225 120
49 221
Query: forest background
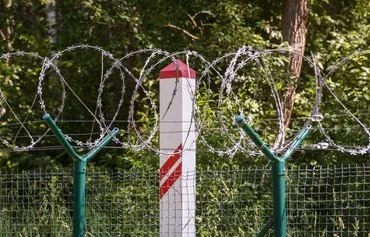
329 29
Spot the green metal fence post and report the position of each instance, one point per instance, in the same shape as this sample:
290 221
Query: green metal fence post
278 196
278 176
79 174
79 186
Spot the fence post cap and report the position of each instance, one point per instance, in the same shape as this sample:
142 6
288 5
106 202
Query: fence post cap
177 69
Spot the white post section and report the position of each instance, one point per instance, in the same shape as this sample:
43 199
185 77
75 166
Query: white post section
177 146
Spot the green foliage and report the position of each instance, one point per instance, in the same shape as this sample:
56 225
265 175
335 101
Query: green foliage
336 29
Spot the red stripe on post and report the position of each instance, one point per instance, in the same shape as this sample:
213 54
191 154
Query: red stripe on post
170 181
170 162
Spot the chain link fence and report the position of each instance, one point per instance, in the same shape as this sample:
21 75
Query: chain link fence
321 201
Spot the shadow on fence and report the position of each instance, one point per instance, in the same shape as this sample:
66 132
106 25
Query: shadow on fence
322 201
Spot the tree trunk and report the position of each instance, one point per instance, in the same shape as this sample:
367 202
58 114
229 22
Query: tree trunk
51 17
7 32
294 28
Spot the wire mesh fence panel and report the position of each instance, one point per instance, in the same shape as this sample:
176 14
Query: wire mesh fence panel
122 203
321 201
35 203
329 201
233 202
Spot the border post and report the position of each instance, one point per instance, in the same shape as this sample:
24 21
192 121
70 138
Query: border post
177 146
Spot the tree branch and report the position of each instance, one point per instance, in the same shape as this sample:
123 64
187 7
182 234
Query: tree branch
182 31
2 35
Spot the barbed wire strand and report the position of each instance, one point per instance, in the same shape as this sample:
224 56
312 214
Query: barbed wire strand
227 104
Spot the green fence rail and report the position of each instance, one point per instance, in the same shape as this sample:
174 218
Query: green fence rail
321 201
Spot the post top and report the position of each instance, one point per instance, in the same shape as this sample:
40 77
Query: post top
177 69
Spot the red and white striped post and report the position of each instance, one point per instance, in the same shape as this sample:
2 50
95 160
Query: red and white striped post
177 146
